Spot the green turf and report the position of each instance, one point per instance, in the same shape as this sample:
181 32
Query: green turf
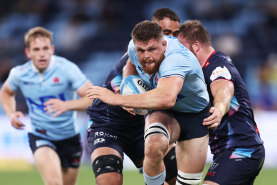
131 177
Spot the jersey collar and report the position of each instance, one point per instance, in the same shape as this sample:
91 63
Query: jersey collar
206 61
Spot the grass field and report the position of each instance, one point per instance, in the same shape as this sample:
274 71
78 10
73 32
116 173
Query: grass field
267 176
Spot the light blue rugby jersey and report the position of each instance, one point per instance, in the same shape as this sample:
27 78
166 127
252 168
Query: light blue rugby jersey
60 80
179 61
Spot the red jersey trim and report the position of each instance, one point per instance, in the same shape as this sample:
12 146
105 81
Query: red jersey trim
207 62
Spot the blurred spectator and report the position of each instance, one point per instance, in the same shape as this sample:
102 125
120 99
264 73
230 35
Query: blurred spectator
267 99
245 29
5 68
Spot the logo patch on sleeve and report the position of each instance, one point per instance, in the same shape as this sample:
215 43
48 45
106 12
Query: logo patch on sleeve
220 72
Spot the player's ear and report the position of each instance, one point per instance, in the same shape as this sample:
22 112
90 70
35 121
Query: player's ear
164 43
53 48
27 52
196 46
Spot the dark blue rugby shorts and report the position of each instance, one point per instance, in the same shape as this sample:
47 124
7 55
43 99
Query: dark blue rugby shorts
238 166
122 138
191 124
69 150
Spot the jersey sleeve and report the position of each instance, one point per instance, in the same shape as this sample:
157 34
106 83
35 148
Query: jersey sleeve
218 70
132 52
175 65
13 79
75 76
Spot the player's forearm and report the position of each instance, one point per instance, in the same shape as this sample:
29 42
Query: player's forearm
80 104
8 104
222 101
152 100
222 92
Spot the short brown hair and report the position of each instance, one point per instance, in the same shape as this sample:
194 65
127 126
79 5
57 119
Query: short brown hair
193 30
161 13
37 32
147 30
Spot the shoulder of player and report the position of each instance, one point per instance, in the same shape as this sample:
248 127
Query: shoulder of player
63 63
218 59
221 58
22 69
178 57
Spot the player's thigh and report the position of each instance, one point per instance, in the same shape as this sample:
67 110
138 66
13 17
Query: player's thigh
106 155
48 163
104 141
46 159
167 119
104 151
107 164
134 147
191 154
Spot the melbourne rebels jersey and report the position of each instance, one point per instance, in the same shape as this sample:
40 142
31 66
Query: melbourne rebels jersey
60 80
237 127
101 113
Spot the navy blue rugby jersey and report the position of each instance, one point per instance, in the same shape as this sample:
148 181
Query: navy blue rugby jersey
238 127
101 113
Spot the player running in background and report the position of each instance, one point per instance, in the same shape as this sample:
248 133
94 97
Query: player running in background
114 131
48 83
179 102
234 137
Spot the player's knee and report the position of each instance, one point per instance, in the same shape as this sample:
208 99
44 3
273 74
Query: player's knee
54 181
107 164
156 146
156 128
188 178
170 165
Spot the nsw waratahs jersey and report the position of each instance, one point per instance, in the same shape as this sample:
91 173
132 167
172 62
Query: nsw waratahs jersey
178 61
101 113
237 128
60 80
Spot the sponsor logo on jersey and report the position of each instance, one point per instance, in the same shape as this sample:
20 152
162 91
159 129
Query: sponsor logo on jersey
43 131
28 83
56 81
211 174
213 166
220 72
103 134
140 68
99 140
227 58
42 99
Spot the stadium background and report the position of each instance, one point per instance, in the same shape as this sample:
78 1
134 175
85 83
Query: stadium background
95 33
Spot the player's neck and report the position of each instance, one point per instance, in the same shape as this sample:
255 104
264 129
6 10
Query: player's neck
207 52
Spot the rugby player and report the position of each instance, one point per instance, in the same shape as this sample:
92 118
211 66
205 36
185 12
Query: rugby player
114 131
48 83
234 137
178 101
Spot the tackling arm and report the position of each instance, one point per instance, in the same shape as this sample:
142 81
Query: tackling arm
222 92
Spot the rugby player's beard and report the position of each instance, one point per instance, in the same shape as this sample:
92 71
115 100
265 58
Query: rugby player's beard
150 70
